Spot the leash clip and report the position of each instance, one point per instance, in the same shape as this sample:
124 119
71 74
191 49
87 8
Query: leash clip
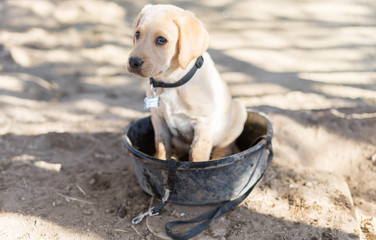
166 195
141 216
153 90
154 211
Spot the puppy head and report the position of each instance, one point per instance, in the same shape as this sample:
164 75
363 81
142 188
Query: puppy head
165 38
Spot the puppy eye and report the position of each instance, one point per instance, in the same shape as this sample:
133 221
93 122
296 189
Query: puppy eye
137 35
161 41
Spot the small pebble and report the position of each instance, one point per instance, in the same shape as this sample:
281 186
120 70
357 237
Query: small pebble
175 213
122 211
110 210
87 212
92 181
308 184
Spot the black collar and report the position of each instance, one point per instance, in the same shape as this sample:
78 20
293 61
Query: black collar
185 79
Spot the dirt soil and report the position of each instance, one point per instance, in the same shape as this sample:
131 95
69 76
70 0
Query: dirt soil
65 100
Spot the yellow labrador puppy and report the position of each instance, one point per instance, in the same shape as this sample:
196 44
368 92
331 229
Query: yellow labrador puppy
191 107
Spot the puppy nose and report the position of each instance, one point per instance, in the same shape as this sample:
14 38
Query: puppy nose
135 62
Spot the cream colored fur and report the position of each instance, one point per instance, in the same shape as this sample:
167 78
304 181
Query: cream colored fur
199 116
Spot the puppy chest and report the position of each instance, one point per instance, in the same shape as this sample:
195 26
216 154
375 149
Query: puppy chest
181 127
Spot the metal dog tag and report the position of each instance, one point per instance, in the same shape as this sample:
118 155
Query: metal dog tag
151 102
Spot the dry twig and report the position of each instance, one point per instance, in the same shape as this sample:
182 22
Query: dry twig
120 230
74 199
138 233
81 190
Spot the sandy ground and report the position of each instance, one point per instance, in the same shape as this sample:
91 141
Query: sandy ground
65 99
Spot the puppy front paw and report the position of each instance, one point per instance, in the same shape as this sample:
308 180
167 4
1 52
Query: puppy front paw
160 156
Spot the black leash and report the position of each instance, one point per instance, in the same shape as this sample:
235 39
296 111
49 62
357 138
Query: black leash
184 80
209 217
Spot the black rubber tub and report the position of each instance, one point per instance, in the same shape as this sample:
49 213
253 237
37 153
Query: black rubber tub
198 183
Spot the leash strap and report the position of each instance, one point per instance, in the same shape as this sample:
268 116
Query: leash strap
185 79
210 216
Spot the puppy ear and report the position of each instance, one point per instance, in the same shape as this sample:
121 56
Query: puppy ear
193 38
